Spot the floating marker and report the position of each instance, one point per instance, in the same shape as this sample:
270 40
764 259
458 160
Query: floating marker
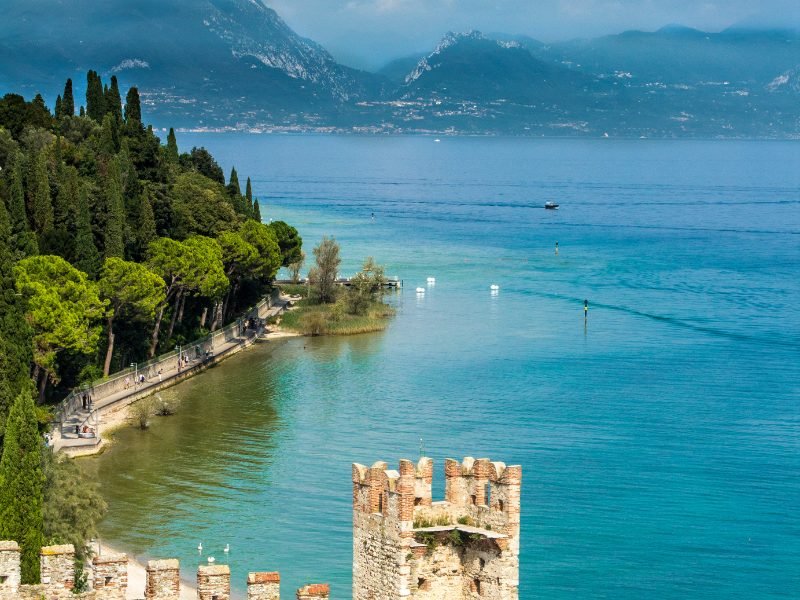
420 290
431 280
494 287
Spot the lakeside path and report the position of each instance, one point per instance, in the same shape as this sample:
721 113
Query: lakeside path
111 411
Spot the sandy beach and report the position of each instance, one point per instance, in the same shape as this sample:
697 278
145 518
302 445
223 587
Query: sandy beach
137 576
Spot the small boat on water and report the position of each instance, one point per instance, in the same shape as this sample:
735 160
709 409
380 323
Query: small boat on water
551 206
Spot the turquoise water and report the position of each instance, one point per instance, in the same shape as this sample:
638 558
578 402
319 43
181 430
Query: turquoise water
660 440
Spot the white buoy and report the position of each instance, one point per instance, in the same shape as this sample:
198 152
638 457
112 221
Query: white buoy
494 286
431 280
420 290
211 559
227 548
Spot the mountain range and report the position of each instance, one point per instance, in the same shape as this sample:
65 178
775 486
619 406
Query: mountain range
236 64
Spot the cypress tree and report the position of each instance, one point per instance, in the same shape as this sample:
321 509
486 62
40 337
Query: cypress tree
82 112
23 241
65 209
133 108
15 335
87 258
172 146
95 98
59 108
256 211
39 190
146 227
68 101
113 233
22 485
109 137
249 191
233 184
114 100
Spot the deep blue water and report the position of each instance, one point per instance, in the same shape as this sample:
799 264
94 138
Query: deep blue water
660 441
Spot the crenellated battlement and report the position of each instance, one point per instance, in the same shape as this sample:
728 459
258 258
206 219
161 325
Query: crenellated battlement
407 545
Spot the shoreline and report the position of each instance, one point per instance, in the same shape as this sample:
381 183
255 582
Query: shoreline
117 415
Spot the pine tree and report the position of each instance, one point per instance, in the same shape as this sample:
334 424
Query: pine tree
39 194
95 98
22 485
113 233
23 240
68 101
133 108
114 100
256 210
87 258
172 146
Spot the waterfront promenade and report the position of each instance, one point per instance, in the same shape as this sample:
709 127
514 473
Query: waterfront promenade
78 428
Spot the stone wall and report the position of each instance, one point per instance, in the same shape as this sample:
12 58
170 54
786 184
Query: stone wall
214 582
407 546
263 586
9 567
315 591
110 575
163 580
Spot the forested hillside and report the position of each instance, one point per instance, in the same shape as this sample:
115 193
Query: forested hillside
114 245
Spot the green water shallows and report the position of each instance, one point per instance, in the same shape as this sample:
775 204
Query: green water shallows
660 442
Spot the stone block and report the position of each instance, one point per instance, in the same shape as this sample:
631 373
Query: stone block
163 580
314 591
214 582
263 586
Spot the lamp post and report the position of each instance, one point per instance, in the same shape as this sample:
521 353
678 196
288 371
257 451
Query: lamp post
178 348
135 374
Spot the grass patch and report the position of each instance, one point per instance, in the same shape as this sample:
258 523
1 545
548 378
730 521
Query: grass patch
333 319
294 289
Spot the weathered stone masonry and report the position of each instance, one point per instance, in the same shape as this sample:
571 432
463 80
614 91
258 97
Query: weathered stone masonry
407 546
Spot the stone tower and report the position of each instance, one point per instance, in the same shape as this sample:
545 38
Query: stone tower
407 546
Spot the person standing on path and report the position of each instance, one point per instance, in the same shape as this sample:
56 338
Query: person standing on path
585 310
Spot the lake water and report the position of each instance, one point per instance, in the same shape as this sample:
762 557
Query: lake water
660 440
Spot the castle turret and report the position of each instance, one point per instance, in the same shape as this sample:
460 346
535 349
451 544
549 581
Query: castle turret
407 546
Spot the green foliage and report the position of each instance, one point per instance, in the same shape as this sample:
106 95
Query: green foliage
67 101
73 505
133 109
40 202
172 146
323 275
23 240
95 98
289 241
22 484
113 100
365 288
15 334
295 267
256 211
200 160
206 276
62 306
201 206
131 289
87 258
263 239
113 233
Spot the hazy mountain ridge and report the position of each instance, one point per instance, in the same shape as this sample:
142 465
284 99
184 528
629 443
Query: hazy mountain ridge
235 63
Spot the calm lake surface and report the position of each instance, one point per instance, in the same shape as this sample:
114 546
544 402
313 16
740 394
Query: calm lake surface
660 442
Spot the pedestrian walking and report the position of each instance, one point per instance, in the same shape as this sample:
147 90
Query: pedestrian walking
159 374
127 382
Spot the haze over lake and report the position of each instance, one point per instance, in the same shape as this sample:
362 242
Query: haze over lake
659 440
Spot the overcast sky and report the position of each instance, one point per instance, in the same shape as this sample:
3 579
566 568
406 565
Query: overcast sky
367 33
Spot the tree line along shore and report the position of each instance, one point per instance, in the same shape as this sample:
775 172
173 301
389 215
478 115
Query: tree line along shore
113 247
